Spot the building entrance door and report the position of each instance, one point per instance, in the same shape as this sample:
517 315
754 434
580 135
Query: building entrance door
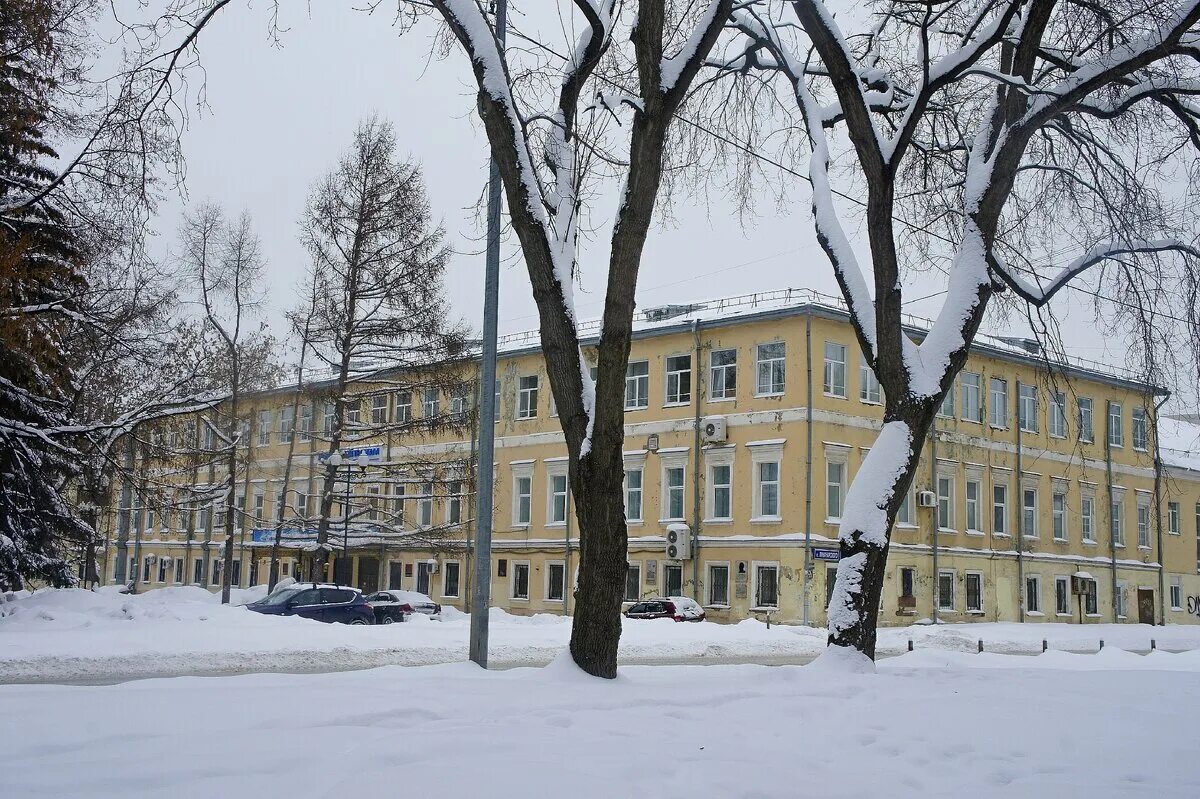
1145 606
368 575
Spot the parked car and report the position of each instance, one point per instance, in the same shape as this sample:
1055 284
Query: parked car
679 608
392 606
319 601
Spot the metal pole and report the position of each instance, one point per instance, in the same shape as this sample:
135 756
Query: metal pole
1019 538
808 463
933 476
481 598
345 530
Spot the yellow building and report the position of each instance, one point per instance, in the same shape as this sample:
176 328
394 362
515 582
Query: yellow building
746 420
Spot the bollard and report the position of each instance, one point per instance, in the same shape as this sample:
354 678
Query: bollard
1153 645
1101 645
981 646
1044 645
909 644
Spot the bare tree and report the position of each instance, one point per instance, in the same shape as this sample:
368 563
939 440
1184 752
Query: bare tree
224 259
984 133
379 320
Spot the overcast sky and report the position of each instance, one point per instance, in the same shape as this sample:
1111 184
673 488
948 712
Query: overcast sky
278 117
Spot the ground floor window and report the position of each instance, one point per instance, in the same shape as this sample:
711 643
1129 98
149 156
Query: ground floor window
235 572
718 584
633 582
179 569
766 594
1033 594
974 588
423 570
1091 604
1122 600
395 573
673 580
450 579
830 582
945 592
556 574
907 579
520 581
1176 594
162 569
198 571
147 562
216 571
1062 596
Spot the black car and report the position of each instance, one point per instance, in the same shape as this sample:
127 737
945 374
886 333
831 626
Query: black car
321 602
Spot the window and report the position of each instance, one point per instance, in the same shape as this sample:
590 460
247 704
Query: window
403 411
1116 431
398 492
1087 519
718 584
520 581
372 492
1029 511
425 505
215 571
162 569
260 509
672 579
771 368
973 491
496 403
633 495
527 397
908 578
679 379
1091 603
558 499
454 502
459 398
264 428
1027 408
722 380
235 572
998 402
945 592
835 480
999 509
972 396
721 487
904 512
1139 431
973 583
1143 522
429 403
178 571
353 412
306 412
301 504
835 369
450 578
945 500
637 385
768 489
556 581
1062 596
1033 593
766 586
869 390
1176 593
947 407
379 410
633 582
1116 526
328 417
1086 433
1173 518
1198 537
523 499
673 490
1058 512
1057 423
198 571
1122 599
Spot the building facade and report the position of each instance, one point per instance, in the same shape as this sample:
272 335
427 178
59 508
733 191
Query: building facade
1041 493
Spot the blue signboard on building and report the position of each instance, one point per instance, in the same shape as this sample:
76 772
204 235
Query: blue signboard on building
288 535
827 554
374 454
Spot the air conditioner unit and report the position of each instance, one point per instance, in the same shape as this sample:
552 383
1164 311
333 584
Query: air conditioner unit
1080 585
713 430
433 566
926 499
679 542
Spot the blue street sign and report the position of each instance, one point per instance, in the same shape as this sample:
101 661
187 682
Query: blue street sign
827 554
373 454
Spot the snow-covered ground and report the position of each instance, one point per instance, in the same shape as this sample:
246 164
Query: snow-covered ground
75 635
929 724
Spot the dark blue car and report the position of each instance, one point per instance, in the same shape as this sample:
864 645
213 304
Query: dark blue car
331 603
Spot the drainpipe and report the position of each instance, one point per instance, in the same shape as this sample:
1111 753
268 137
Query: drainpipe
933 476
1158 499
808 462
1108 471
1019 538
696 380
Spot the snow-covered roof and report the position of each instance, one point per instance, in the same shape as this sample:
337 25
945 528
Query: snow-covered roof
1179 443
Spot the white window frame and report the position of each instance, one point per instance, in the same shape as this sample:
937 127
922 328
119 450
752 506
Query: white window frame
1139 431
943 606
1173 517
446 574
1176 592
1027 408
946 479
557 472
755 566
973 506
640 386
263 438
946 409
1087 419
425 504
546 581
677 459
162 569
972 396
1122 599
306 417
718 459
1116 424
1058 513
1087 516
1065 582
761 485
431 402
513 566
1116 518
527 396
835 370
402 412
720 387
1003 485
1142 506
379 409
677 388
708 589
766 369
998 403
179 570
637 465
838 457
1025 517
522 472
976 611
869 390
1034 579
1056 424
